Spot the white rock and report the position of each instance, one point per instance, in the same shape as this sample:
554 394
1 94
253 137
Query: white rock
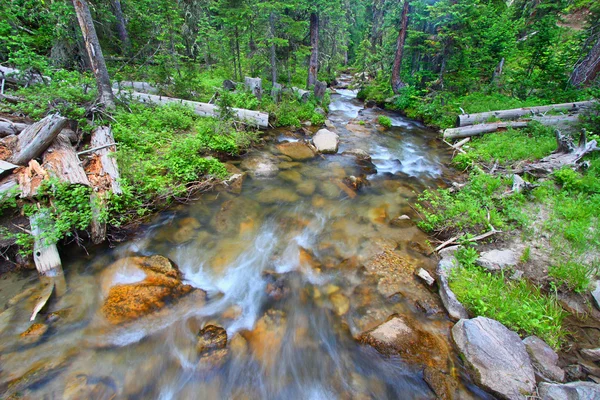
326 141
495 260
423 274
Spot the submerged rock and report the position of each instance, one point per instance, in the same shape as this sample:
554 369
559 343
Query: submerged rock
277 195
81 386
340 303
544 359
297 150
496 357
34 333
326 141
265 340
260 165
211 337
394 271
569 391
233 213
306 188
137 286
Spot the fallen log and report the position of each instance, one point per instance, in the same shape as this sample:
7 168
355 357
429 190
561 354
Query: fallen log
251 117
141 87
8 186
103 174
62 163
45 255
517 113
17 77
36 138
8 128
30 178
480 129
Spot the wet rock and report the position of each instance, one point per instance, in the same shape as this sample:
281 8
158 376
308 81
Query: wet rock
455 309
378 215
265 340
147 285
442 384
212 359
226 253
277 195
34 333
291 176
233 212
403 221
297 150
425 276
569 391
211 338
591 354
81 386
306 188
318 201
394 271
289 164
358 129
184 234
329 124
326 141
496 356
277 285
340 303
596 294
544 359
356 183
401 336
238 345
260 165
358 153
329 189
233 312
496 260
134 377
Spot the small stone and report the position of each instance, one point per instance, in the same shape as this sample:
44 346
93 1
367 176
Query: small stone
569 391
495 260
591 354
340 303
517 275
423 274
544 359
210 338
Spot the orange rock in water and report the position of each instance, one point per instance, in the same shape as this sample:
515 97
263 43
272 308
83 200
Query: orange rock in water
126 302
378 215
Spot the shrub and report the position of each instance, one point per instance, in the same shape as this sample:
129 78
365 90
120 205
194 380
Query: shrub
384 121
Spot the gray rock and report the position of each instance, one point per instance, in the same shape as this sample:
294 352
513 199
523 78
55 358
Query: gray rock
455 309
591 354
329 124
326 141
496 357
596 294
426 277
358 153
544 359
495 260
260 165
569 391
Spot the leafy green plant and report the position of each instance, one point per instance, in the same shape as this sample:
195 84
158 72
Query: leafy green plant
384 121
573 275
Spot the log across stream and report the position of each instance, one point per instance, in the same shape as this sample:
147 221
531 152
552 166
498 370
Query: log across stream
293 269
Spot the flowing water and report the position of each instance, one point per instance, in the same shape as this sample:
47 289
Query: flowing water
293 270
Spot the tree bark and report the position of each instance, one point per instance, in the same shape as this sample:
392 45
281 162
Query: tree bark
313 63
397 83
121 27
273 48
376 32
61 162
94 51
586 71
472 119
8 128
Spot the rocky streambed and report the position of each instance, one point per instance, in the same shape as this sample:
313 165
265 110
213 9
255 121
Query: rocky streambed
298 279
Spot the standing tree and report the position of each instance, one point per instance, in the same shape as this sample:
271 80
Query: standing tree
95 53
588 69
397 83
313 64
121 26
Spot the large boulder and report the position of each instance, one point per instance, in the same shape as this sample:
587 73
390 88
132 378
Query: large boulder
544 359
326 141
496 357
569 391
137 286
297 150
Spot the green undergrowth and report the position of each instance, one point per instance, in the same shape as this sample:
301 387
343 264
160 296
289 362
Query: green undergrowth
384 121
517 304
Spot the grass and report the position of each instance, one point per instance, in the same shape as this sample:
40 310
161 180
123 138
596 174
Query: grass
384 121
516 304
572 275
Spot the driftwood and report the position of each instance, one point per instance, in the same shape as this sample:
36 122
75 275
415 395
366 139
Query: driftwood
567 154
514 114
35 139
454 239
103 173
61 162
11 99
141 87
254 85
474 130
256 118
45 255
11 128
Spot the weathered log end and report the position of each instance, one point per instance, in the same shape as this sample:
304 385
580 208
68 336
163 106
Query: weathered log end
45 255
254 85
35 139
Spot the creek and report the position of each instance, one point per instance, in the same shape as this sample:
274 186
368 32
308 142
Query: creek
294 269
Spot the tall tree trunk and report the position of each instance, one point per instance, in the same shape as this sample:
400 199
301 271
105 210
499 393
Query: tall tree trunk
587 70
397 83
121 27
94 53
313 64
237 50
376 32
273 48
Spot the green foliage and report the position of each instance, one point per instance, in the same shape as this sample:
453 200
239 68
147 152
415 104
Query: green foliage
518 305
572 275
384 121
473 208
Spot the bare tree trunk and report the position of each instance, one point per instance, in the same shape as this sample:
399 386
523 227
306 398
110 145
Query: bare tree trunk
376 32
587 70
121 27
273 48
237 50
313 64
95 53
397 83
